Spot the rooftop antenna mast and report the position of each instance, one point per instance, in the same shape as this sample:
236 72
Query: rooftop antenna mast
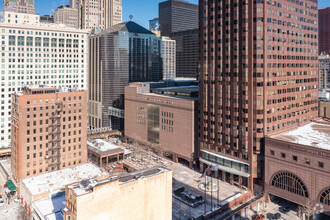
131 17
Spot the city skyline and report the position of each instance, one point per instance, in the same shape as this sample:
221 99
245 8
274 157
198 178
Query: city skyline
130 7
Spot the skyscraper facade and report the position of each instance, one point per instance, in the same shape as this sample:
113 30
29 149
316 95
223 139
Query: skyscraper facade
258 75
38 53
177 15
74 3
324 71
21 6
66 15
99 13
121 54
49 130
324 30
187 53
179 20
169 58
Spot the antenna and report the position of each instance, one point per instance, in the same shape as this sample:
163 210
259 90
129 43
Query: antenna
131 17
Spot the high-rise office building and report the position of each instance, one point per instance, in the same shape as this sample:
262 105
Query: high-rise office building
177 15
21 6
38 53
74 3
187 53
324 71
179 20
66 15
168 56
99 13
49 130
258 75
121 54
324 30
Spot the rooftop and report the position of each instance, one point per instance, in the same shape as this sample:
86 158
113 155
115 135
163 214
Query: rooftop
43 89
102 147
189 91
51 208
128 26
312 134
183 88
54 181
87 186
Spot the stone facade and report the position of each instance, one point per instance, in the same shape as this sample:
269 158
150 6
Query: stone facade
307 166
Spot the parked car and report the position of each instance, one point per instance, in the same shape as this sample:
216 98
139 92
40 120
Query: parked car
276 216
285 210
259 217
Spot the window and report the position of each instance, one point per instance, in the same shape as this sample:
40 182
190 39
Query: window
295 158
289 182
307 161
325 197
283 155
272 152
321 164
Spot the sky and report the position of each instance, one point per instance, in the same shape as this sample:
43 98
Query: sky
142 10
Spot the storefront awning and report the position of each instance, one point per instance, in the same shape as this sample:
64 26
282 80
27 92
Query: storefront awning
11 186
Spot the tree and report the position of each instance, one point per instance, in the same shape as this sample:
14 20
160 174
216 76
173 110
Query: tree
22 214
306 210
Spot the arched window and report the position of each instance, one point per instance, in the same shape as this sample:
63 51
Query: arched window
325 197
289 182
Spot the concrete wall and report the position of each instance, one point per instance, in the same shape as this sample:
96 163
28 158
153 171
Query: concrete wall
181 141
324 109
145 198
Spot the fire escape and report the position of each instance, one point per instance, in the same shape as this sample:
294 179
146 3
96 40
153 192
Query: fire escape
54 143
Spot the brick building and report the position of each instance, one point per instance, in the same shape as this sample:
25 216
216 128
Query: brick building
145 194
164 114
324 30
105 154
49 131
258 74
297 165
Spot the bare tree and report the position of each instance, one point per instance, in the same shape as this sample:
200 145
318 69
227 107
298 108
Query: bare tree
22 214
306 210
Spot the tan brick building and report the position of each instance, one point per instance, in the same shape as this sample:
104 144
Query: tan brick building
99 13
324 108
145 194
164 114
21 6
49 131
66 15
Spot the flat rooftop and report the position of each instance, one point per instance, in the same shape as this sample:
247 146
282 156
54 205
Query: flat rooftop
51 208
189 91
54 181
312 134
103 147
87 186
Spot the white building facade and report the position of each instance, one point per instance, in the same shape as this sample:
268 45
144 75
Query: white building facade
38 53
169 58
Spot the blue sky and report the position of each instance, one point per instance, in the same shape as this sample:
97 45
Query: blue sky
142 10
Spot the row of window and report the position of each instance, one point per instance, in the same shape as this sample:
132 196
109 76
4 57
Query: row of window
34 172
295 158
10 31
